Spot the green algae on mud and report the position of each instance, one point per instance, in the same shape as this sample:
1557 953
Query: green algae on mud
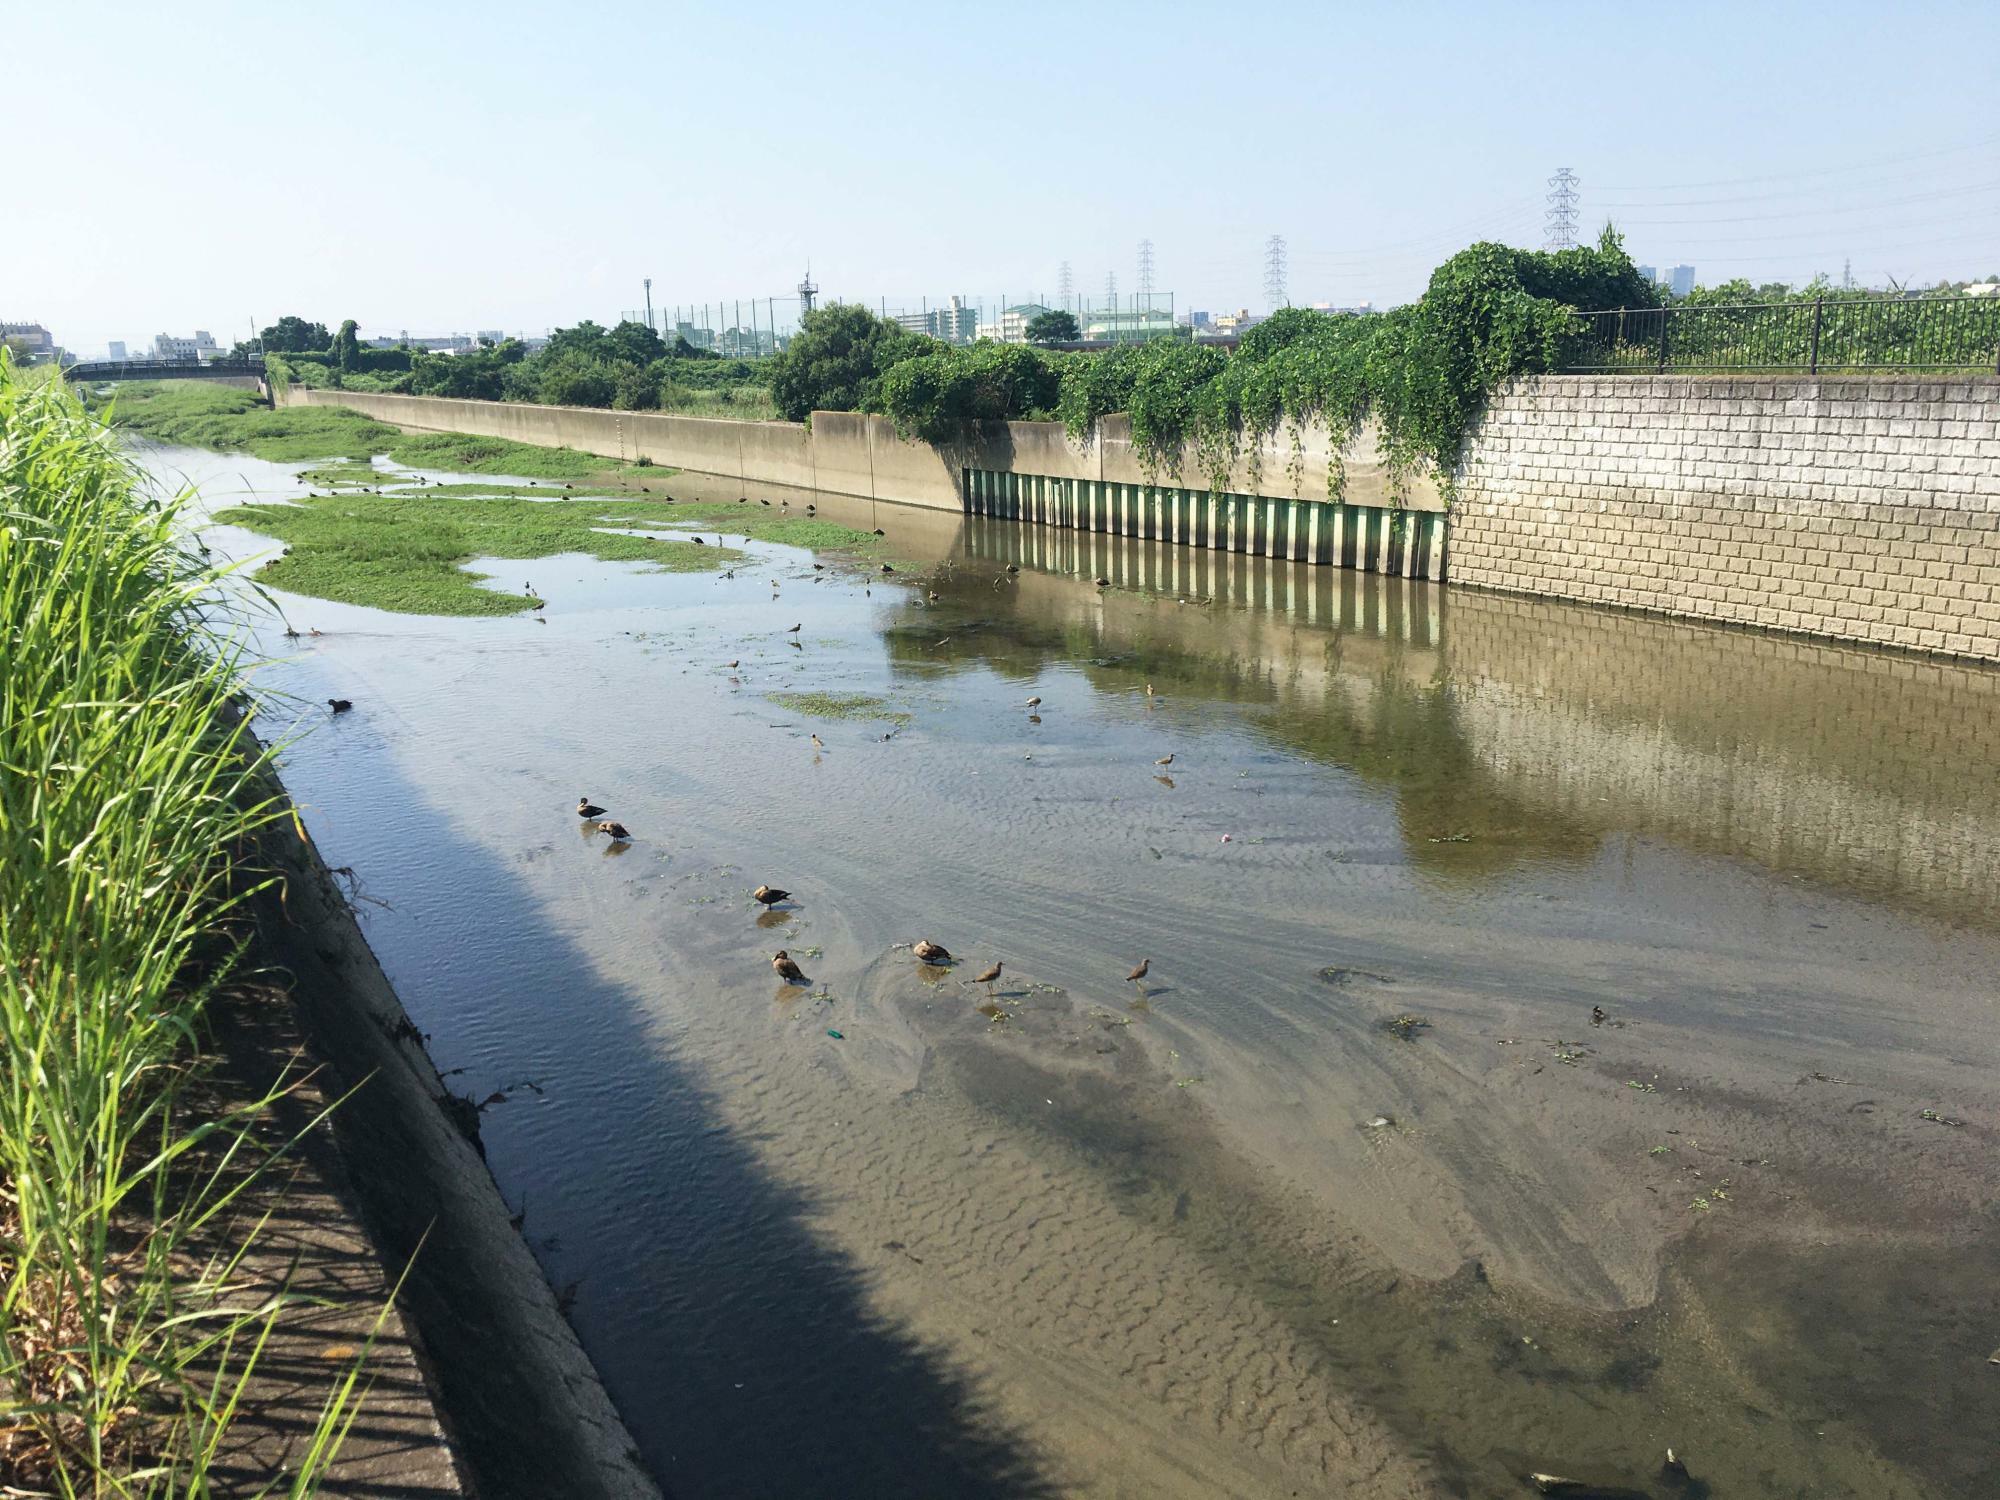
406 552
840 706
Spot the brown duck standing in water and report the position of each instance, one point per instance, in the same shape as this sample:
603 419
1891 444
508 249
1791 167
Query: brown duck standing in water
788 971
770 895
930 952
585 808
620 834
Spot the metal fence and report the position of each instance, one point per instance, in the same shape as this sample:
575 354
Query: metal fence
746 327
1827 334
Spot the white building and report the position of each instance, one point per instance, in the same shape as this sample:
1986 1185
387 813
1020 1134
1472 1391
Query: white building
1011 327
201 348
955 323
118 351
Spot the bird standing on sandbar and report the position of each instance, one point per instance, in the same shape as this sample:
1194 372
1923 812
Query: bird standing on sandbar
585 808
788 971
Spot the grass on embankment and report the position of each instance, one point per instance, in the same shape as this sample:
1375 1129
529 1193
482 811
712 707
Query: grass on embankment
128 800
201 414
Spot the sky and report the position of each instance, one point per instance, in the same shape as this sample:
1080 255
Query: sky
439 167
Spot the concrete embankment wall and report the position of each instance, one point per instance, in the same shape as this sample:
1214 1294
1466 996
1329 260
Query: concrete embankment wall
1855 509
1862 509
1271 504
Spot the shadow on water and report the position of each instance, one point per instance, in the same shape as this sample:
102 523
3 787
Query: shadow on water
741 1350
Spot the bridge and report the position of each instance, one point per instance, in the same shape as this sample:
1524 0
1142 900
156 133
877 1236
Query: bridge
233 369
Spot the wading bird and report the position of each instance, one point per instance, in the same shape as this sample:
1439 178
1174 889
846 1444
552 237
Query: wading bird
989 976
770 895
1036 701
585 808
930 952
1139 973
796 628
817 743
1164 760
788 971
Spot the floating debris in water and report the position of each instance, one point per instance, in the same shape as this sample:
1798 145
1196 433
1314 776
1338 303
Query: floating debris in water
1380 1122
1644 1088
1406 1025
836 1035
1937 1119
1452 838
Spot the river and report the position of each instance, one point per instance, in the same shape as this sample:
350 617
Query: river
1567 1035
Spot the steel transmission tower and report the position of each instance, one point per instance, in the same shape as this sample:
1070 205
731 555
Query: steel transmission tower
1065 283
1145 268
1274 271
1111 288
1561 215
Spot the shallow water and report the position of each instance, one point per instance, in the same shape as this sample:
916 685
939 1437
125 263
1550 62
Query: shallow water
1069 1234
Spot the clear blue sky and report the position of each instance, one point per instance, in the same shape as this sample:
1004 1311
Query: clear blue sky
451 166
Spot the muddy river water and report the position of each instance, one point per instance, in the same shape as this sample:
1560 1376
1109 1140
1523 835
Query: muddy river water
1567 1035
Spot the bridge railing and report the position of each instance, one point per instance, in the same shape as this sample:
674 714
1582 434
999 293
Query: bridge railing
1824 335
143 369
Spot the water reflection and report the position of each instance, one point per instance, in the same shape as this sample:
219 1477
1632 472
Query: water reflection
1512 731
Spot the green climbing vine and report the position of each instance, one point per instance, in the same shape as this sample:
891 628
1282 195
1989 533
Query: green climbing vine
1421 372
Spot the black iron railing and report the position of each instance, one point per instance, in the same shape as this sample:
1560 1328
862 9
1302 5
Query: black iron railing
1826 335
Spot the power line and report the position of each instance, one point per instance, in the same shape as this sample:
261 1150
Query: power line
1562 211
1274 272
1145 268
1858 166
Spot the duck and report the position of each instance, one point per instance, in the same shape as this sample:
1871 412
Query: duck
930 952
339 705
585 808
788 971
1139 973
620 834
770 895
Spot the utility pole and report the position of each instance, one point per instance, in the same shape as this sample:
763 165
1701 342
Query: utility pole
1561 215
649 305
1274 272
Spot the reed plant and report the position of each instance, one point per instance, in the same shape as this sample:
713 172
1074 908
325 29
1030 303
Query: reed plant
131 798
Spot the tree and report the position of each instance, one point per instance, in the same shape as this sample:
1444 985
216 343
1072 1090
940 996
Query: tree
835 360
293 335
1053 328
587 339
634 342
347 349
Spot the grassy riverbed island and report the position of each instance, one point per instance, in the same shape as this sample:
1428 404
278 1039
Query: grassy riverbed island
406 549
128 796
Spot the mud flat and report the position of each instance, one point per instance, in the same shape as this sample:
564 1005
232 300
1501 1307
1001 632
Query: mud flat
1356 1193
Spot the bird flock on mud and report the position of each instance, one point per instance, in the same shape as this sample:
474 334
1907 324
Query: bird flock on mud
930 953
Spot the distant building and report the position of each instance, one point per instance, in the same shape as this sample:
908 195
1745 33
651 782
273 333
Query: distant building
449 343
955 323
1352 308
1197 320
1240 321
492 336
32 343
1648 274
118 351
1011 327
1680 280
198 350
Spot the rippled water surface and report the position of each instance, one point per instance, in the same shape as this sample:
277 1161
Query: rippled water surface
1352 1194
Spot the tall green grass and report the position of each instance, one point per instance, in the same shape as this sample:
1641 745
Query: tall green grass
130 799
